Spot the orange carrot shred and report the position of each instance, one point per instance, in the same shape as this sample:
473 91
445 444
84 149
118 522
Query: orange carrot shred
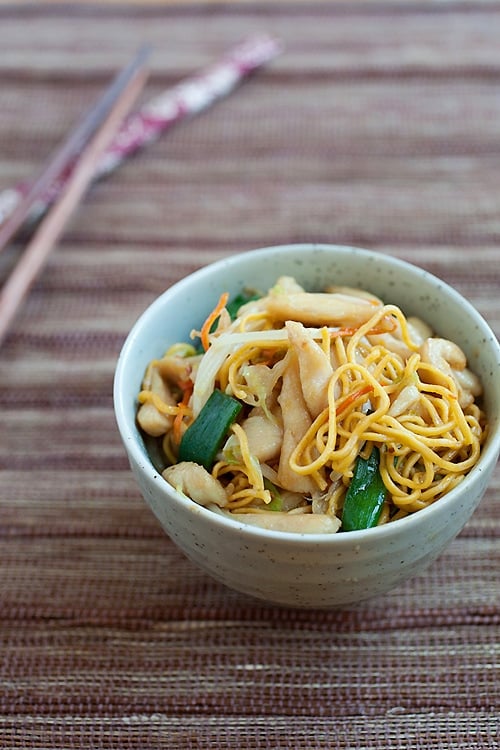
211 318
177 425
352 397
342 332
345 332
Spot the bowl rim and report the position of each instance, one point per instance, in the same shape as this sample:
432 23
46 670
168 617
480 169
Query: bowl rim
138 451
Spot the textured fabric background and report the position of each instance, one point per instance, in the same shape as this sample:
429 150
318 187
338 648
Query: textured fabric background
379 126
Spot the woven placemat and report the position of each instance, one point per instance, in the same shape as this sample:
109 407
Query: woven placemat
378 126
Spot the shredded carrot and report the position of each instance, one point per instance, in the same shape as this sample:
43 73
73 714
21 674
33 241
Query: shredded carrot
183 410
211 318
352 397
343 332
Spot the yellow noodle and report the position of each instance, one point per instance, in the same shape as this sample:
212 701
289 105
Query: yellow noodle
239 492
234 366
253 470
148 397
325 341
340 351
385 515
386 430
255 317
243 355
168 448
382 312
385 367
329 452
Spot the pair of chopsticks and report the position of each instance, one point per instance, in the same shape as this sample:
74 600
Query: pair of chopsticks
81 152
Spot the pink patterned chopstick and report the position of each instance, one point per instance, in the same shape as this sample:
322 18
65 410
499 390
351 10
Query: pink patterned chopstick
190 96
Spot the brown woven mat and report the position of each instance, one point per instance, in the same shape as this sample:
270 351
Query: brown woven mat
379 126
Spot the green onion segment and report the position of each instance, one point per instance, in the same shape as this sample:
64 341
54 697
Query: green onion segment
365 496
203 438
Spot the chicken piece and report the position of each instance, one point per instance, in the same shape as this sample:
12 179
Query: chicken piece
320 309
264 436
150 419
447 357
296 422
314 367
405 401
296 523
284 285
197 483
354 292
175 369
469 383
419 330
394 341
287 285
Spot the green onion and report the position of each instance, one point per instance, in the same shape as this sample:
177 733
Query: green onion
204 437
365 496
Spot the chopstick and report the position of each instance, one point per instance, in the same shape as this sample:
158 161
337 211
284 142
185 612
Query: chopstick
71 147
95 133
188 98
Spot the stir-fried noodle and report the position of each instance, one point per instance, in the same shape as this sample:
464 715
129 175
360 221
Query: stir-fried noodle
322 379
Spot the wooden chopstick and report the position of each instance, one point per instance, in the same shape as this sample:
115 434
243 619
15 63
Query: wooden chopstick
71 148
107 117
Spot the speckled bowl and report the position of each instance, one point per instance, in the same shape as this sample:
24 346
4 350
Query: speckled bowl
308 570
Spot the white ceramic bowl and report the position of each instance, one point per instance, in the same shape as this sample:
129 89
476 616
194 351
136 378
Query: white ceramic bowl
317 570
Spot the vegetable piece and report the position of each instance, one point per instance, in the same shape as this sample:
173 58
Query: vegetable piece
207 325
276 503
183 406
233 306
241 299
352 397
204 437
365 496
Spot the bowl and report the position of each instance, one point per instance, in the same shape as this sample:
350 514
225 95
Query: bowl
308 570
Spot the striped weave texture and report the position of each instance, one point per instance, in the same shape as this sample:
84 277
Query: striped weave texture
379 126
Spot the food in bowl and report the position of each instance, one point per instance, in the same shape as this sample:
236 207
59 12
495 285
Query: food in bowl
307 569
312 411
